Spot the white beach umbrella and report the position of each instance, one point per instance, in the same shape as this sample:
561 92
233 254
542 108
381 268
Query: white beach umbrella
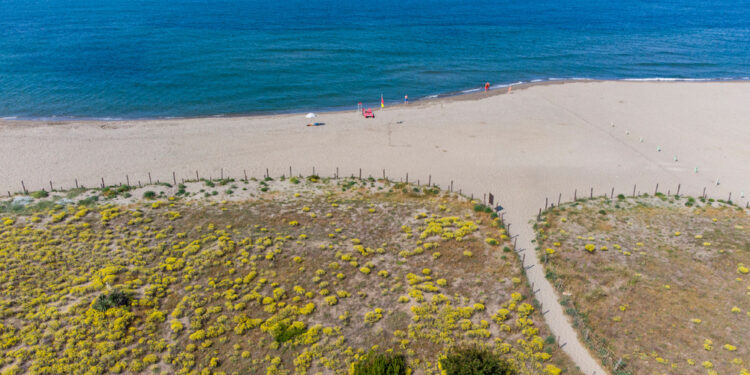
310 115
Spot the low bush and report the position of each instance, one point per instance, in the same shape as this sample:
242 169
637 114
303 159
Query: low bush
39 194
475 361
283 332
114 299
381 364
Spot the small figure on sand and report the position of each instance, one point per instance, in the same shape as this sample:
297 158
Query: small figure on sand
487 86
406 99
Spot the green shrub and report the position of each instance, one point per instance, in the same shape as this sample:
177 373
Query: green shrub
114 299
284 332
90 201
381 364
39 194
475 361
620 196
294 180
149 195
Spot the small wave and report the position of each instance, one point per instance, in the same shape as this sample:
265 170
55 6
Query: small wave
670 79
323 109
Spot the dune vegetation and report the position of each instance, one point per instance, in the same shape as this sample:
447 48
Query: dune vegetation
290 276
655 285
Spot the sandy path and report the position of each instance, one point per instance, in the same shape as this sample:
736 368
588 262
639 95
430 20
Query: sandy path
535 143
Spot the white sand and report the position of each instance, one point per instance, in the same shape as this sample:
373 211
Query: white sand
534 143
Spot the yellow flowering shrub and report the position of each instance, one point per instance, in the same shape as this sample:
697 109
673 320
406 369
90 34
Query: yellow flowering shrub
231 286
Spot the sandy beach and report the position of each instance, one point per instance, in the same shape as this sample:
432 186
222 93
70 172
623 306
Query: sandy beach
543 141
534 143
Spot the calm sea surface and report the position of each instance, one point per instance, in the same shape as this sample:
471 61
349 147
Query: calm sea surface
140 59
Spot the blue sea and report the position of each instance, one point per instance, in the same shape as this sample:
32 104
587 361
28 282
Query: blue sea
122 59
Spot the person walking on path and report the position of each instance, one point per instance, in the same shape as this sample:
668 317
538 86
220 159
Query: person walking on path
487 86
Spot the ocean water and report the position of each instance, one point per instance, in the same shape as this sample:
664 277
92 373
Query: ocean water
63 59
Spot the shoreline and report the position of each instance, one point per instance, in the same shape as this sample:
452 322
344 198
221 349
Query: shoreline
466 94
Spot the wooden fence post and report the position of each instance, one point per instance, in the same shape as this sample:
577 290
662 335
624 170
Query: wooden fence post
633 190
24 187
51 189
102 182
360 173
575 196
429 180
149 178
174 178
678 189
76 183
592 193
656 191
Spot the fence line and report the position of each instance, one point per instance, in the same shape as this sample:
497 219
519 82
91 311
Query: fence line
336 175
198 177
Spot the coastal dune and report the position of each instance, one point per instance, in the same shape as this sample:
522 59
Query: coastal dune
543 141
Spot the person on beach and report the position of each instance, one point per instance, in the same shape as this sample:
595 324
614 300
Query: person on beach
406 99
487 86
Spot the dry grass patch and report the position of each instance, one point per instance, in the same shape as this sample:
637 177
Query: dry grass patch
653 285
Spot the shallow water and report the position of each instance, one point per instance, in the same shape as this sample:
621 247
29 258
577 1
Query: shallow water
135 58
